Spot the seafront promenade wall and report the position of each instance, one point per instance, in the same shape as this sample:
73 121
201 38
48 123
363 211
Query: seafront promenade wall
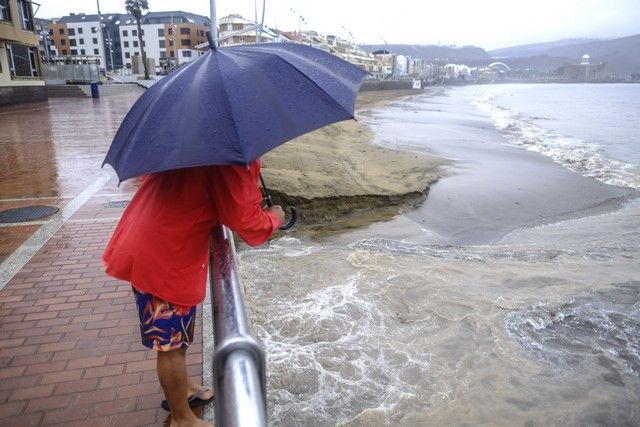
386 85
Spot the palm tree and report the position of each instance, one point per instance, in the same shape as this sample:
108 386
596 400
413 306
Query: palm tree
136 8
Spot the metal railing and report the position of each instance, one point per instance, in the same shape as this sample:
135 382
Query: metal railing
239 360
78 69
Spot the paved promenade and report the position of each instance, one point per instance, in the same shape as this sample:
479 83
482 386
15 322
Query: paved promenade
70 352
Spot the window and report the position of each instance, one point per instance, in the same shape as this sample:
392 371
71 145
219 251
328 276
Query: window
64 51
170 42
72 42
74 51
96 52
135 43
134 33
126 44
170 31
50 31
94 30
163 54
82 52
186 53
160 32
186 31
5 12
125 33
95 40
72 31
161 44
63 42
185 42
79 30
142 32
229 27
61 31
144 44
22 60
127 55
171 54
26 14
81 41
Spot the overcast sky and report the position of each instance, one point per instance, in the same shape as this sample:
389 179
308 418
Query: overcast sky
489 24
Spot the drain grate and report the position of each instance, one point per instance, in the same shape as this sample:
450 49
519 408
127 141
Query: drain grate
27 213
117 204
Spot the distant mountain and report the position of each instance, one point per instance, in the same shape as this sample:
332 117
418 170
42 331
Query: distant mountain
622 55
543 63
433 53
534 49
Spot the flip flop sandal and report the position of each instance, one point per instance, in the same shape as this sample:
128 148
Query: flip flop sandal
193 400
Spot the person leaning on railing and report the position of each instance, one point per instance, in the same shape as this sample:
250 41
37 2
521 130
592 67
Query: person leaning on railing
161 247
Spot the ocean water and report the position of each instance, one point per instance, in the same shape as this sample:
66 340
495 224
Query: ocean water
510 297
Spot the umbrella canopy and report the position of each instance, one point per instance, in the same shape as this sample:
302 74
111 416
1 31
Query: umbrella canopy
232 105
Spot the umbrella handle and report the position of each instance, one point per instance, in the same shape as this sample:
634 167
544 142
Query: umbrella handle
269 201
292 221
294 213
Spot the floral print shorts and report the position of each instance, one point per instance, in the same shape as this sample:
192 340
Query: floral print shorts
164 326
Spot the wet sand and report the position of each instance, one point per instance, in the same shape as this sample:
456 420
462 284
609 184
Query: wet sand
492 187
338 179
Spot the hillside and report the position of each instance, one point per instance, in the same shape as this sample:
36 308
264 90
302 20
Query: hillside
543 63
622 55
433 53
535 49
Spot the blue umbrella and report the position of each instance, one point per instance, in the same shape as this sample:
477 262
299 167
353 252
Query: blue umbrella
232 105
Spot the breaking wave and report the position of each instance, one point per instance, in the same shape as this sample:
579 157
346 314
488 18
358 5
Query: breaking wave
575 154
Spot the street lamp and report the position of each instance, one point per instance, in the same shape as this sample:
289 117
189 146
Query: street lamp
110 44
44 33
300 20
100 35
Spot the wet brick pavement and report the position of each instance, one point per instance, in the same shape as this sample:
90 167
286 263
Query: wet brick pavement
70 351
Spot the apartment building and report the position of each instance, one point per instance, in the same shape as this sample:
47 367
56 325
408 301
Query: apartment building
20 77
169 38
234 29
82 35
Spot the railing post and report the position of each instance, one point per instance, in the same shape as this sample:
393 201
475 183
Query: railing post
239 361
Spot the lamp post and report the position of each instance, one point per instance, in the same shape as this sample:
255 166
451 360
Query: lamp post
214 23
300 21
110 48
100 36
44 33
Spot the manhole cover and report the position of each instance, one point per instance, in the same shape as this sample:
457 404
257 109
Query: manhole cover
28 213
117 204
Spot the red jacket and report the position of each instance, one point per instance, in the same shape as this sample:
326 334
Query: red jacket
161 242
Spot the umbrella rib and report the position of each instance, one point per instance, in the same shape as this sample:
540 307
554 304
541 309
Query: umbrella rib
146 111
319 87
226 98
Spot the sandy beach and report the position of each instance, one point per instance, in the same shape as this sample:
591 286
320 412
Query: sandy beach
339 179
